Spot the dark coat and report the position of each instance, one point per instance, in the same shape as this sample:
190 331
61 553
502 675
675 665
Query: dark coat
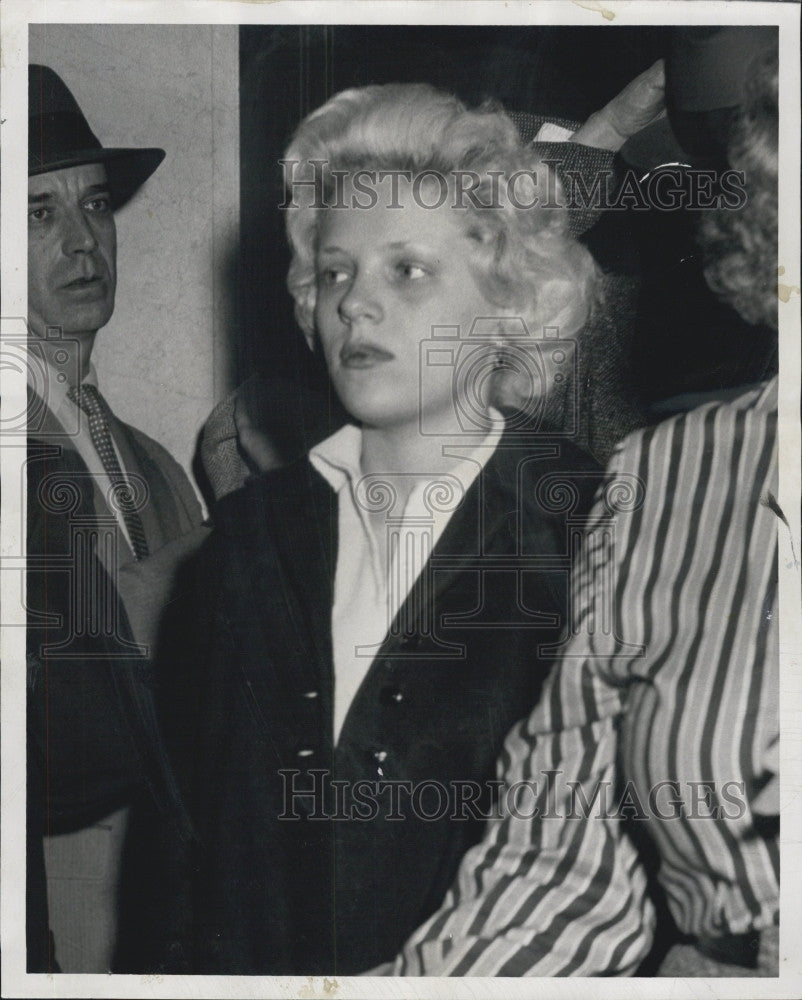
276 883
93 744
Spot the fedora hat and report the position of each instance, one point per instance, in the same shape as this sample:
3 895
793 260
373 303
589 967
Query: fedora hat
59 136
706 70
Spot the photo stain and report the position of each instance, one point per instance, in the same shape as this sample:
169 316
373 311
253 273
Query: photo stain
784 292
311 991
596 7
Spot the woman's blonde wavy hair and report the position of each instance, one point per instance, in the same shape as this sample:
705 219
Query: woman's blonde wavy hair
526 261
740 247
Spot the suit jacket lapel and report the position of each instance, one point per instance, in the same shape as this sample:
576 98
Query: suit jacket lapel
491 521
158 515
485 524
43 424
62 458
307 548
50 441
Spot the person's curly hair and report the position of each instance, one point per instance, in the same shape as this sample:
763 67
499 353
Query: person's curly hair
740 247
525 259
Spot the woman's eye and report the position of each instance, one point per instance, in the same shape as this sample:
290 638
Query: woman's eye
332 276
412 272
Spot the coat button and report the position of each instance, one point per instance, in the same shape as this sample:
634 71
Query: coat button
305 752
309 694
391 696
377 759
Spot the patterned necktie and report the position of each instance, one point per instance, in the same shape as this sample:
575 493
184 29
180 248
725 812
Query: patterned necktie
96 408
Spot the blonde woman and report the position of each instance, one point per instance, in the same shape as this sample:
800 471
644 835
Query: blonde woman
365 624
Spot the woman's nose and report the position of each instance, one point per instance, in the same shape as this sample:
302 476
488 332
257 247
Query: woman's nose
78 235
360 302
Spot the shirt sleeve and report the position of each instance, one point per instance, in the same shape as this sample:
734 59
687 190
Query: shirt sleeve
555 888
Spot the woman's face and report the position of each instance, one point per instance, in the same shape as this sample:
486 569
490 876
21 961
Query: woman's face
386 277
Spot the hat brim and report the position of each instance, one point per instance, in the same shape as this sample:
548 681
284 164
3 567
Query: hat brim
127 169
653 147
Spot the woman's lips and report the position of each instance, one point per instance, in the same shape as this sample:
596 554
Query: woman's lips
364 356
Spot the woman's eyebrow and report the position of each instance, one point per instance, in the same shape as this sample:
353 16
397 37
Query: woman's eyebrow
395 245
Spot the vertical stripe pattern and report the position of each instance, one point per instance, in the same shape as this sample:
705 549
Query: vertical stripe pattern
677 703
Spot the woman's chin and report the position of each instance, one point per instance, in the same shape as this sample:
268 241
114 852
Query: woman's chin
375 409
383 421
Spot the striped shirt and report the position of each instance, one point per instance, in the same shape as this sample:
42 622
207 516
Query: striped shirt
661 718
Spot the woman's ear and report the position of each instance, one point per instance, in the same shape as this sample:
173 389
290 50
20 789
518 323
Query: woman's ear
558 305
511 325
499 336
305 314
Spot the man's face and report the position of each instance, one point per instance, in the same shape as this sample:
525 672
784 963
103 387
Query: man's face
72 250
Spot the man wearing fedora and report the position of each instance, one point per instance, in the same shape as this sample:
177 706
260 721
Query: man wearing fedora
109 515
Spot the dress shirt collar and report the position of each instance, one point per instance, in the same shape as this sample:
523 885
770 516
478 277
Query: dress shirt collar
55 392
338 457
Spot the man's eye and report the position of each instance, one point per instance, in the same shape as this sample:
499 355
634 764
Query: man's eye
100 204
38 214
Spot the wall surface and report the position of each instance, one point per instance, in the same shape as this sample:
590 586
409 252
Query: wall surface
163 360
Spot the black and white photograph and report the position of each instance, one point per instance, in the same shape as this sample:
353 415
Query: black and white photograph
400 534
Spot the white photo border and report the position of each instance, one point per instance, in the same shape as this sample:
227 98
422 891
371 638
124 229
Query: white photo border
15 17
